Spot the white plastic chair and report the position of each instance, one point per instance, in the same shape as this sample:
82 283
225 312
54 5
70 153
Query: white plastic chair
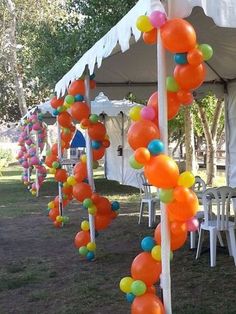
199 188
221 197
146 198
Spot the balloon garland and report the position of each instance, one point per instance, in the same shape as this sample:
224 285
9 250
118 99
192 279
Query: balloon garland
30 149
178 37
75 108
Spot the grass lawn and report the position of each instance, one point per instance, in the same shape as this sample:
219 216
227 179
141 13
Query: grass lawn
41 271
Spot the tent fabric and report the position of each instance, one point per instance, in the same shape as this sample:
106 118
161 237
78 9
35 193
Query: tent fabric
78 140
133 63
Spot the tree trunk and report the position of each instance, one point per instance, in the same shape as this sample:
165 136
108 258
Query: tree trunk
12 54
211 135
191 164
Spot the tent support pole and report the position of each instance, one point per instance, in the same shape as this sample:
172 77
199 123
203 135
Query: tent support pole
123 143
59 160
163 126
227 135
89 158
38 155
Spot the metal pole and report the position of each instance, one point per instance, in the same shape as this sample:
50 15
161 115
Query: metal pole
163 126
122 143
59 160
89 159
37 155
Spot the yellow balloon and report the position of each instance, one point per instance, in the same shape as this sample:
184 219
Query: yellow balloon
71 180
125 284
91 246
143 24
59 218
52 170
85 225
186 179
51 204
135 113
92 210
65 185
33 192
156 253
83 158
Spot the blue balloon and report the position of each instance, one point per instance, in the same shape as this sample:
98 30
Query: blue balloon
156 147
96 144
130 297
115 205
147 244
90 256
55 112
79 97
181 58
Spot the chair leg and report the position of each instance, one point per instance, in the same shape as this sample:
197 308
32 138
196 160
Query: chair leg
233 244
228 242
153 213
220 239
150 214
200 241
140 212
213 234
192 240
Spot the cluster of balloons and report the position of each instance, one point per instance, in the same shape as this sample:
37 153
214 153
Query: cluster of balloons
28 155
145 273
178 37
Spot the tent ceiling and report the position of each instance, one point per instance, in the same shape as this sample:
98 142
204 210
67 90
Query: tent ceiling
135 69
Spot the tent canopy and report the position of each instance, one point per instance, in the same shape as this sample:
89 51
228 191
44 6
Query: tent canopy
129 65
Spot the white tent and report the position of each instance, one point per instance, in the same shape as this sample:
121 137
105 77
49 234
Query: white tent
117 123
129 65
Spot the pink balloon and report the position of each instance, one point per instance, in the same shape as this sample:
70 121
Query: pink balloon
192 224
36 126
25 164
157 19
34 160
148 113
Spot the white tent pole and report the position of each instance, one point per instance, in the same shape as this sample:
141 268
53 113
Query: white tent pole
123 143
37 155
227 135
163 126
89 159
60 161
28 133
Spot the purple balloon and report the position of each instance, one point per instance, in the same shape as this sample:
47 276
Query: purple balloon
157 19
148 113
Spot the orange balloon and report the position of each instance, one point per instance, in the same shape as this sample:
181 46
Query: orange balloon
53 213
98 153
178 36
81 167
173 104
66 137
56 202
195 57
189 77
185 97
92 84
175 241
106 143
97 131
81 191
61 175
80 176
55 103
151 289
95 198
102 222
72 128
77 87
181 194
145 268
182 211
142 155
177 227
162 171
103 206
150 38
64 119
141 133
67 190
50 159
147 304
57 224
80 111
82 238
85 123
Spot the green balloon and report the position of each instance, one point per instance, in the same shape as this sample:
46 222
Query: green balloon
48 152
134 164
69 99
61 109
66 130
66 219
94 118
138 288
83 250
166 195
87 202
206 50
55 165
171 84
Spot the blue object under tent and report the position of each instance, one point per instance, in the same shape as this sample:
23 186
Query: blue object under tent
78 140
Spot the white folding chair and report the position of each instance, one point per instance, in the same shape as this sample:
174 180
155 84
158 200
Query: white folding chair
221 197
199 188
146 198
